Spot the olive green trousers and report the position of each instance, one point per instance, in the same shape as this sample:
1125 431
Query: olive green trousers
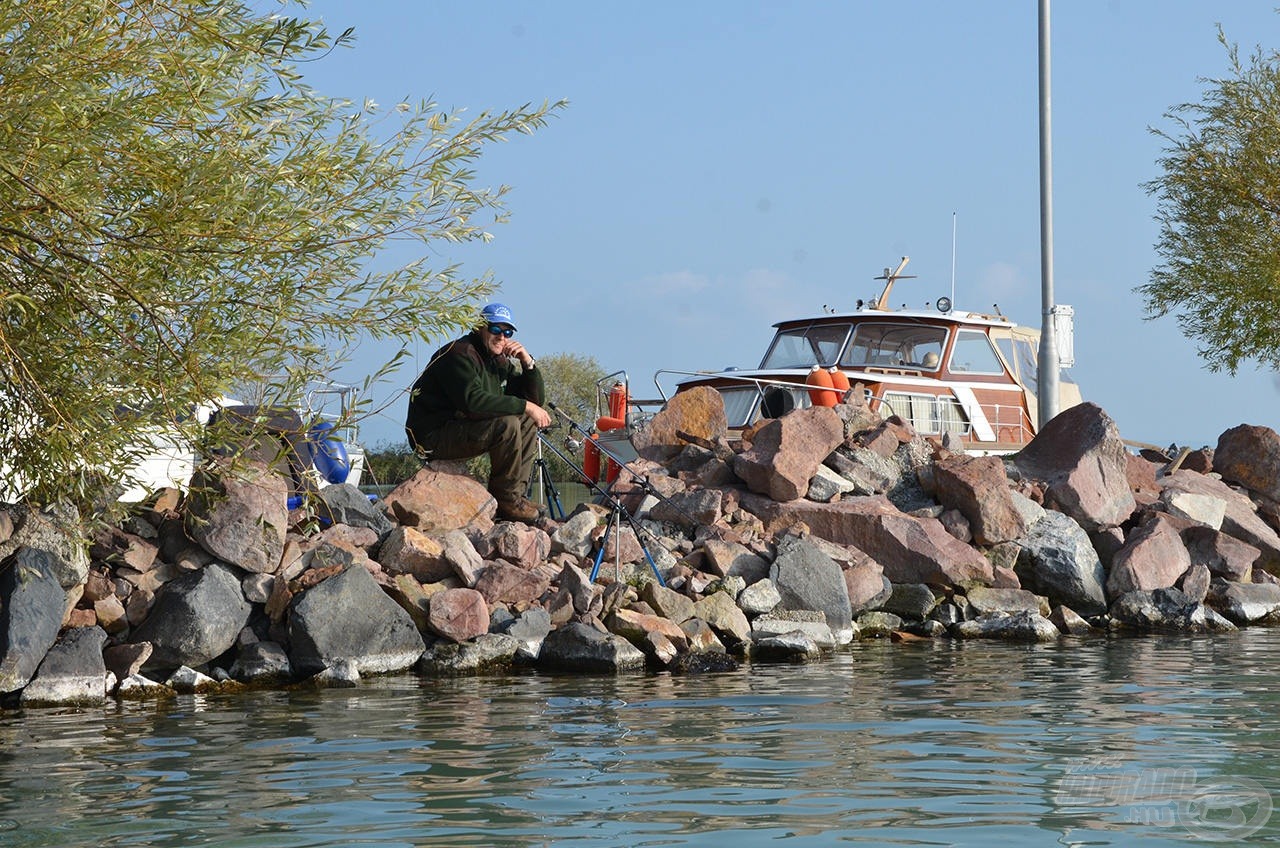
509 440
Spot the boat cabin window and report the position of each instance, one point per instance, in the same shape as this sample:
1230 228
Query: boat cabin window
927 413
816 344
973 354
1022 356
895 346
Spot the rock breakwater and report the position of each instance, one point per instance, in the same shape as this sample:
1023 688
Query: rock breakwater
822 527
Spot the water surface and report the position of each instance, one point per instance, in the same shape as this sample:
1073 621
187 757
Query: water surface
1145 741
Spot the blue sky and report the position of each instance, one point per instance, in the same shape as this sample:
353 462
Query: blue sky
722 166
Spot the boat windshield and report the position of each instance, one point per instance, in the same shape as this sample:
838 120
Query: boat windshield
895 346
816 344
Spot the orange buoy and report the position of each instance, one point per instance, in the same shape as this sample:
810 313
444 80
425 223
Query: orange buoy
604 424
821 395
590 460
839 382
618 401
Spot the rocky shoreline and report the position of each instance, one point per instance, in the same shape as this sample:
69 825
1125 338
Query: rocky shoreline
822 527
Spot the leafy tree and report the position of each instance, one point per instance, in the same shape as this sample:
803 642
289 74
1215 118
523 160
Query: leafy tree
571 385
389 463
180 214
1219 215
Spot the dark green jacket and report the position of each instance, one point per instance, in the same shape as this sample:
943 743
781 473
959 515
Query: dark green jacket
463 380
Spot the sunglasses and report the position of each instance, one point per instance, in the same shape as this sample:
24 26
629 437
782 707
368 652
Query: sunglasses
499 330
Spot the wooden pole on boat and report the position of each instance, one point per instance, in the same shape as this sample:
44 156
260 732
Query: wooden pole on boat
1048 377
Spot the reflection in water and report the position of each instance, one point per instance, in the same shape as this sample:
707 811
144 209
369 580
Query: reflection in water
1106 742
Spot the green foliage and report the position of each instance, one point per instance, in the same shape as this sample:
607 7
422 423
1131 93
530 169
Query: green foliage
389 463
571 385
1219 215
180 214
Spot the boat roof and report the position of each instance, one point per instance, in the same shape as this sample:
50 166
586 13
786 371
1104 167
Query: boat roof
868 313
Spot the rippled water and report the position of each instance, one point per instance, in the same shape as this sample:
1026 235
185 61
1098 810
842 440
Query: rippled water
1155 741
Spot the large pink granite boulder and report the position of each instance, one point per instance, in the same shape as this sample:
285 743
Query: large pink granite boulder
458 614
978 488
1153 557
786 452
699 412
1083 464
1250 455
437 502
909 549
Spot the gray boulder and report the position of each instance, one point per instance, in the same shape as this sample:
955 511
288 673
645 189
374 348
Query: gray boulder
724 558
667 602
791 646
73 671
577 647
827 485
985 600
487 652
721 612
1025 626
530 628
877 624
1163 610
574 535
55 533
1246 603
349 617
345 504
262 662
816 630
910 601
759 598
31 606
698 508
807 579
237 512
188 681
1057 560
196 617
867 472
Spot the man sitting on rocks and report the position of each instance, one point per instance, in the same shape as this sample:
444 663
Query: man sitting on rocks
472 399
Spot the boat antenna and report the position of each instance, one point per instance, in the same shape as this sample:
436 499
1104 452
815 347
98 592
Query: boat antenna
953 257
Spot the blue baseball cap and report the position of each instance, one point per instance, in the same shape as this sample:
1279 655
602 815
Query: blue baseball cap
498 313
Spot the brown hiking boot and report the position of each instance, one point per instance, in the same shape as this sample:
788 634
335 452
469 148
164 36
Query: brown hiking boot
518 508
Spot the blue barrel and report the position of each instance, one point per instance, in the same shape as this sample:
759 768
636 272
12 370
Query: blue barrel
328 453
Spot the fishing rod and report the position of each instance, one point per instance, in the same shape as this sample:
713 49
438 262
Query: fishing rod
639 478
618 512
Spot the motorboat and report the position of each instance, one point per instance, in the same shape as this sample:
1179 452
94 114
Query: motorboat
972 375
315 444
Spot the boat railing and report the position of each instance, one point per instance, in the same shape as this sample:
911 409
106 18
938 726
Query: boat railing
1011 423
758 382
333 403
936 414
